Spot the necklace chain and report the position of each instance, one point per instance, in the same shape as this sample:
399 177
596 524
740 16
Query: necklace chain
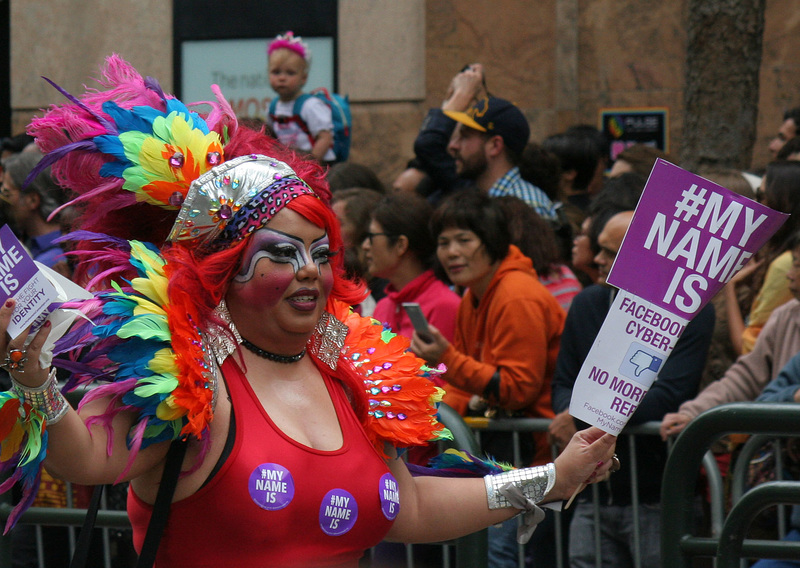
286 359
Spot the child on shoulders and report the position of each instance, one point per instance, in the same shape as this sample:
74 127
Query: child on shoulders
311 129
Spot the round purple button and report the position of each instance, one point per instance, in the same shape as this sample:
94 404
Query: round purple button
338 512
390 496
271 486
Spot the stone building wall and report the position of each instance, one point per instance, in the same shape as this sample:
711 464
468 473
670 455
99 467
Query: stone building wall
559 60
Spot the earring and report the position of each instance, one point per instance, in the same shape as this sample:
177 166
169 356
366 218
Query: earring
328 339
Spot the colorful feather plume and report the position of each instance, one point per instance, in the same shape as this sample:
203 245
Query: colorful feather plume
402 397
130 332
23 448
128 152
157 153
458 463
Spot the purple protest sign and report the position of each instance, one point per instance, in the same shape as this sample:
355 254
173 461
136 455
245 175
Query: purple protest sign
21 279
688 237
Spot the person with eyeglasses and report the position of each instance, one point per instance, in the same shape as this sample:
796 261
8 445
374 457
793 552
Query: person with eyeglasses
400 248
353 207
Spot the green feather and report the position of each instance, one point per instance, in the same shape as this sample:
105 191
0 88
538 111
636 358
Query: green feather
146 327
155 385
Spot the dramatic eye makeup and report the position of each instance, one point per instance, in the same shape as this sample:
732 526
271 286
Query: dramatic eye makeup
282 248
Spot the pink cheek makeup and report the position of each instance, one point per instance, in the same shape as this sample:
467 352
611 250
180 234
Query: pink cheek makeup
266 288
327 280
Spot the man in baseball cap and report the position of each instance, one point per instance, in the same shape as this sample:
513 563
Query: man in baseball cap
487 144
496 117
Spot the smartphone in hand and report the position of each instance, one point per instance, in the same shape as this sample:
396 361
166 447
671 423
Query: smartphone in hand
418 321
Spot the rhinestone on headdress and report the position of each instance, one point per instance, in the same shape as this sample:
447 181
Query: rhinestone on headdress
177 159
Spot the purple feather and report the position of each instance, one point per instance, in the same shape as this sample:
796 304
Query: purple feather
9 483
136 435
155 86
105 123
52 157
28 496
93 237
421 471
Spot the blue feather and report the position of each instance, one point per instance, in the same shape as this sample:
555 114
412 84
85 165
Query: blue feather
128 120
112 145
107 330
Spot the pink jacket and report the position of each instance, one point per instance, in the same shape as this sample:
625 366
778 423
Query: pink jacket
438 302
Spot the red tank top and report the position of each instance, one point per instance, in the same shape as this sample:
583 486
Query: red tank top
276 502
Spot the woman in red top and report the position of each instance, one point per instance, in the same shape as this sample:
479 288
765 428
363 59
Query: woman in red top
232 335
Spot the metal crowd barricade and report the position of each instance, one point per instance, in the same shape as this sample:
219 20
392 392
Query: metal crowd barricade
729 546
67 517
470 551
630 436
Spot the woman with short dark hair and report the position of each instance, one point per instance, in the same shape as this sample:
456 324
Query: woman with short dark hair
508 330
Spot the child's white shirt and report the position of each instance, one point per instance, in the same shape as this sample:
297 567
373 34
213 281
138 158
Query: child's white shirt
317 116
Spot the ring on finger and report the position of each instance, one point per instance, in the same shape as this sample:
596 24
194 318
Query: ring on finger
15 360
615 464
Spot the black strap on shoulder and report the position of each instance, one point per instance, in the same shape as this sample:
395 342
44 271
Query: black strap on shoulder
158 519
81 555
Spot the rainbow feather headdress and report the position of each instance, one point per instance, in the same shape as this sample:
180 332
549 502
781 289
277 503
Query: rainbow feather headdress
143 346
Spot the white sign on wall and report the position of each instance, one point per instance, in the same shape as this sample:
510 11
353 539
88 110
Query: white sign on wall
239 67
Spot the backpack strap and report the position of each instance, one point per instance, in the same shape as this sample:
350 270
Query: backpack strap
296 118
272 105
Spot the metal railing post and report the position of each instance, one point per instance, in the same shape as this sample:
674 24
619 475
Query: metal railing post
732 540
678 544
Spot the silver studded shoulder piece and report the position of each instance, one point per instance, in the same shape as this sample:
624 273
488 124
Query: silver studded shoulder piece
220 342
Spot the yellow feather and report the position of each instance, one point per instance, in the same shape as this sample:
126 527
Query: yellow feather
166 412
151 158
163 362
153 290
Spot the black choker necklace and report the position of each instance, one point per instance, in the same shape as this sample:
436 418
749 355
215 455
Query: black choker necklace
272 356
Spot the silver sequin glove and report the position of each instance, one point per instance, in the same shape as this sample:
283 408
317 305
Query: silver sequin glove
521 489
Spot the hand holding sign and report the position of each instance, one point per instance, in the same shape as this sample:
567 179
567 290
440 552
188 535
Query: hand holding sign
693 236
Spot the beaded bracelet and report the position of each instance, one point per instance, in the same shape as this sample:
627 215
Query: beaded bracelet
46 398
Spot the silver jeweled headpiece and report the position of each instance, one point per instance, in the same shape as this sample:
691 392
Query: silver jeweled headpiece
235 199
